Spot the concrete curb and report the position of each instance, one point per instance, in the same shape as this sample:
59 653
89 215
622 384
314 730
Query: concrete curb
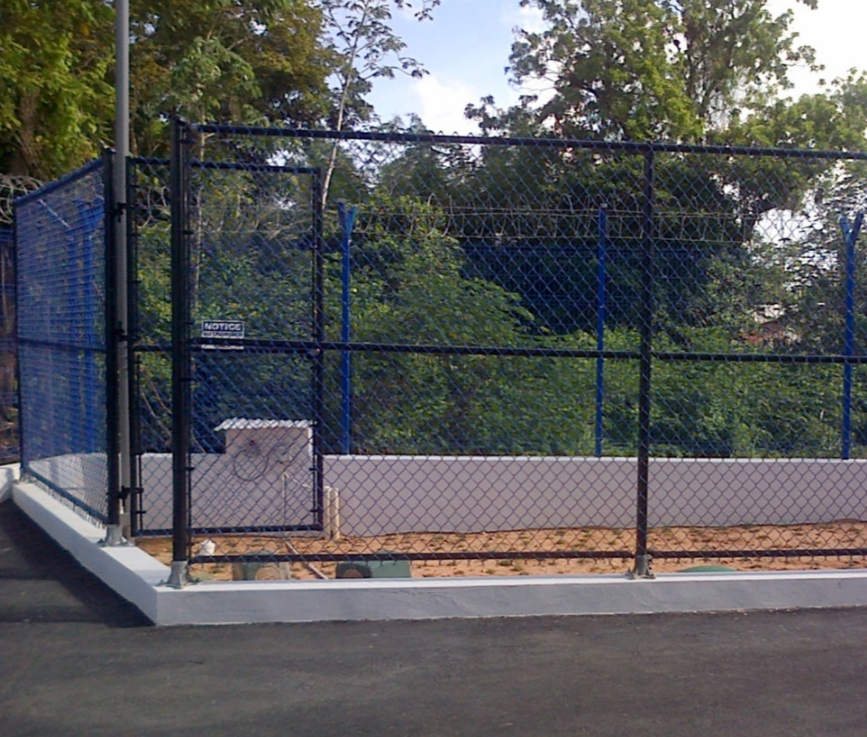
130 572
8 476
137 577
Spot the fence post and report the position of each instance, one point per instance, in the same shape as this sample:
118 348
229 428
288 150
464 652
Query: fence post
134 499
122 118
182 368
642 558
850 236
347 223
113 534
317 354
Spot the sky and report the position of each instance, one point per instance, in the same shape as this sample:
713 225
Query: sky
466 46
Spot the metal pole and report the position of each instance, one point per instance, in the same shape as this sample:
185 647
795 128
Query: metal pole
602 225
642 558
121 85
317 355
181 357
850 236
347 222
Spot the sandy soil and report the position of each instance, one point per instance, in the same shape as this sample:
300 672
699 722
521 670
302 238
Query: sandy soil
844 534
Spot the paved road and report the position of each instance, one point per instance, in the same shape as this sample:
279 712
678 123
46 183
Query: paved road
75 660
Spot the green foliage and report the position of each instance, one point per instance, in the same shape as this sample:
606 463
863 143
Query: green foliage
221 61
209 60
491 246
646 69
55 93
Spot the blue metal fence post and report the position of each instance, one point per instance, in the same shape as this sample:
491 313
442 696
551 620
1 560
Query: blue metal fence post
851 236
347 223
602 224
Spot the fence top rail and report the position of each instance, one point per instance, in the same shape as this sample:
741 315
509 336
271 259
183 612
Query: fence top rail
227 165
552 142
64 181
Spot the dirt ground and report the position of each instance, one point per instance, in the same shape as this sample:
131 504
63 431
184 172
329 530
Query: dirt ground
843 534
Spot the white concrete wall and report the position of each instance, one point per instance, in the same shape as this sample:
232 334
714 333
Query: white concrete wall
228 491
9 474
386 494
380 494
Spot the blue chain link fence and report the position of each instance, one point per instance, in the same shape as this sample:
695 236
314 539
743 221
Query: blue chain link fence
9 448
61 310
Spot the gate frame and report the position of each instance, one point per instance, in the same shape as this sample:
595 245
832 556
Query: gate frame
185 346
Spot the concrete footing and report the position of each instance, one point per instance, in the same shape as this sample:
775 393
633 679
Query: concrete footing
143 581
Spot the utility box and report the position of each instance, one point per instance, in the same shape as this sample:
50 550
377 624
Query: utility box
374 569
257 446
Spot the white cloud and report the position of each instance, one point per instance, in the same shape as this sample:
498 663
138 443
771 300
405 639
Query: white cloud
442 102
529 18
835 30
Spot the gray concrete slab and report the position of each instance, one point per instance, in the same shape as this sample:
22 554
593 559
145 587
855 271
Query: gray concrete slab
76 660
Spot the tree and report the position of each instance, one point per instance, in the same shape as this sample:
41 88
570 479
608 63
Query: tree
260 62
366 48
55 93
649 69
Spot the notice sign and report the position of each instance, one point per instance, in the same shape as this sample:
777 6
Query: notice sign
222 329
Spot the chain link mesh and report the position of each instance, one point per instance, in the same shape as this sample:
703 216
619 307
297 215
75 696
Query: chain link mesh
60 241
9 445
429 349
10 187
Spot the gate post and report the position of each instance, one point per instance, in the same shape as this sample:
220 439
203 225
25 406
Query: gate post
182 367
642 558
113 532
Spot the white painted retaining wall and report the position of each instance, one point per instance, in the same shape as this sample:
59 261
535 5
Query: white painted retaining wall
140 579
387 494
382 494
227 492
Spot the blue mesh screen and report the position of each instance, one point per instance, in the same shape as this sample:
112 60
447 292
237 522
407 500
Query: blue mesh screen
61 333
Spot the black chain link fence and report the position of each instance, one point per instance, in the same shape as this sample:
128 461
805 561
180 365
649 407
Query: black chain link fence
370 354
504 356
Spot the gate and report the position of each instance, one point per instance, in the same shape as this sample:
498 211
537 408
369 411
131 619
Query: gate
237 342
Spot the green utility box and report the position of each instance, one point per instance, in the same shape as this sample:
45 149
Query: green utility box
261 571
373 569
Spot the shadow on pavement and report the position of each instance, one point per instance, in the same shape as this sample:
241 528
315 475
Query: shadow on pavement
40 582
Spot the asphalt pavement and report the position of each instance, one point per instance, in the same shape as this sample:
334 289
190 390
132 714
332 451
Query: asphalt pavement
77 660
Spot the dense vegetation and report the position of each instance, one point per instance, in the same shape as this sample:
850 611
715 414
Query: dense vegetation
491 246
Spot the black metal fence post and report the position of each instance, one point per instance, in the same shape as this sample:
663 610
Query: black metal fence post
642 559
181 354
112 444
132 293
